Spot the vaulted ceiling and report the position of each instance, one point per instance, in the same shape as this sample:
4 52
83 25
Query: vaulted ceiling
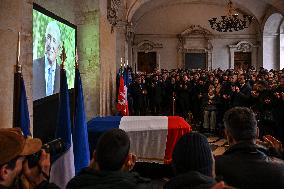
257 8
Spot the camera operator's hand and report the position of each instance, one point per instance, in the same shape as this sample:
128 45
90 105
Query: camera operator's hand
39 173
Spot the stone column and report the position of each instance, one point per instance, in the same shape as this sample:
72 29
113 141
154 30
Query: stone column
121 45
108 63
254 56
87 21
232 56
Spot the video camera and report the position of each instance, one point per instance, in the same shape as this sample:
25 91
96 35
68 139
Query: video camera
54 148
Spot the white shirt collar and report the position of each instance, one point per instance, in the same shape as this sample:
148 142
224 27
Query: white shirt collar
47 65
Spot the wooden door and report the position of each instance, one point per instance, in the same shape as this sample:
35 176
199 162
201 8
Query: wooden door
147 62
242 60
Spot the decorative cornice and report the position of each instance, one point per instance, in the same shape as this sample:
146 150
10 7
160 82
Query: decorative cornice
196 30
112 12
216 36
148 46
243 46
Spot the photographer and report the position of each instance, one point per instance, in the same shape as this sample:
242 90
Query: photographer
14 169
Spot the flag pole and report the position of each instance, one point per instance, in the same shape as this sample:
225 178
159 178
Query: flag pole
75 95
17 86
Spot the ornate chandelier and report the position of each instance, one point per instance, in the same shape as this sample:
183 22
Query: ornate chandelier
231 22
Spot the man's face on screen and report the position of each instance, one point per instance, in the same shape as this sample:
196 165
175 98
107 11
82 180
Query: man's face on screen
51 45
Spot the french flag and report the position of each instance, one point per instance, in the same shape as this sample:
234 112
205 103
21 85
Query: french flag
152 138
63 169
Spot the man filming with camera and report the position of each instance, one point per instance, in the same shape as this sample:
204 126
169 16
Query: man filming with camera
14 169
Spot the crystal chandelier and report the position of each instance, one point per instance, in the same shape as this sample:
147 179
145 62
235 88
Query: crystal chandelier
231 22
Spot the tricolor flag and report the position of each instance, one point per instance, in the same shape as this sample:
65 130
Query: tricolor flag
62 169
122 103
152 138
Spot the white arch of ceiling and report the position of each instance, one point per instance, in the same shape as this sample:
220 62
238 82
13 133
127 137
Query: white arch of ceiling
256 8
273 24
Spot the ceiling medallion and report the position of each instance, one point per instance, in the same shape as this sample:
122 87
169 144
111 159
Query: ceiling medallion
231 22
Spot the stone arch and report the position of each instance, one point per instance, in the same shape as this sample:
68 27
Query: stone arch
271 41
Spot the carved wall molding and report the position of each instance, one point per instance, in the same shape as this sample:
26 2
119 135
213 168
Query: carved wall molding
195 30
195 39
148 46
243 46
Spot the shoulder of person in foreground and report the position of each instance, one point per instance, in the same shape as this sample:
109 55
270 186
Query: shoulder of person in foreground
47 185
89 178
145 183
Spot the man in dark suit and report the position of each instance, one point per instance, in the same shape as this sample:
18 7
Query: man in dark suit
241 93
138 92
46 71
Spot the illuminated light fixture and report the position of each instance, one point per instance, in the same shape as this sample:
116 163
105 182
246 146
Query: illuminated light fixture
231 22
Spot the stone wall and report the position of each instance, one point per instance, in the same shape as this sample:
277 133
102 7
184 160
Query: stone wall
15 16
170 56
158 27
87 21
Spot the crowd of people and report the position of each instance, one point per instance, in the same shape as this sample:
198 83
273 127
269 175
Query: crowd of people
248 163
248 104
203 96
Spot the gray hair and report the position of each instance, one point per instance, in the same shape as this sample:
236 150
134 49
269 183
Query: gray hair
53 26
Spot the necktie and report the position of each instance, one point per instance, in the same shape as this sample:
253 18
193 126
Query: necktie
49 83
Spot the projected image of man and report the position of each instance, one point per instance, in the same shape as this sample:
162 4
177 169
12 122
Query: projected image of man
46 71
